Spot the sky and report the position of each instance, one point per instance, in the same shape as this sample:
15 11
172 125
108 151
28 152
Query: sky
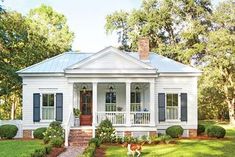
86 18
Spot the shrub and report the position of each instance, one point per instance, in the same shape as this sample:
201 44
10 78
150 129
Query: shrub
105 131
165 139
200 129
89 151
175 131
38 133
42 152
216 131
130 139
53 131
96 141
8 131
57 142
119 139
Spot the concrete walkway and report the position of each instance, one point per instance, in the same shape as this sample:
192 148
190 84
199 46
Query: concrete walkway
72 151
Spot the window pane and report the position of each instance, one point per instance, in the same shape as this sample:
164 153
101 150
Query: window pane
175 99
51 99
108 99
169 99
113 97
44 100
137 97
47 113
132 97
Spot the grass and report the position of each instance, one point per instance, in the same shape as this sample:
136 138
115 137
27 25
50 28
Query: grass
18 148
187 147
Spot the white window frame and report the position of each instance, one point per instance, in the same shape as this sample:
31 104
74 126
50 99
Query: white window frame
41 106
179 105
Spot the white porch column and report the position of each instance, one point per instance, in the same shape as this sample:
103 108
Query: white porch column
152 103
128 104
94 107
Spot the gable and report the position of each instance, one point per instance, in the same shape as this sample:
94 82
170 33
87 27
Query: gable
111 61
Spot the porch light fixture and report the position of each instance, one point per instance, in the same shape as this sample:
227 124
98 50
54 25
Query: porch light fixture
84 88
111 87
137 88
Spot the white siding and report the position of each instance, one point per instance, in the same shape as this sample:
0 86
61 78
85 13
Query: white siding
44 85
179 85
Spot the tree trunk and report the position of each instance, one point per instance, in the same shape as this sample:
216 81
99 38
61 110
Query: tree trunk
231 111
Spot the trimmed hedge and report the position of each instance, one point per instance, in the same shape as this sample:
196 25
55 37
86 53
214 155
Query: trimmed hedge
42 152
96 141
90 150
175 131
216 131
8 131
38 133
200 129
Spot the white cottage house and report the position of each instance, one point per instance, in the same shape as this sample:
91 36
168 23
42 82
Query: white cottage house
142 93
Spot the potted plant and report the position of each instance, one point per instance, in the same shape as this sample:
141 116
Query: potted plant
76 113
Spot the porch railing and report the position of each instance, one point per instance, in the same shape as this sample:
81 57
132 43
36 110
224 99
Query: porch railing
115 117
140 118
119 118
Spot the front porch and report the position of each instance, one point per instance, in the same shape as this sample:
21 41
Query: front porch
123 103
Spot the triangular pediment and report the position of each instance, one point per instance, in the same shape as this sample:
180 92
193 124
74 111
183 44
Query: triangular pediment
110 59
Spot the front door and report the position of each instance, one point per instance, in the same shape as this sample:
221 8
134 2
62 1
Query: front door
86 108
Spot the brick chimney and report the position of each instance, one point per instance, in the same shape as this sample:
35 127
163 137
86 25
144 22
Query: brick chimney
143 48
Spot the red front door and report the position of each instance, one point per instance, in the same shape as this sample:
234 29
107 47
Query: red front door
86 108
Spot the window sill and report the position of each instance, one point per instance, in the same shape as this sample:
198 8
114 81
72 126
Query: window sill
173 121
47 121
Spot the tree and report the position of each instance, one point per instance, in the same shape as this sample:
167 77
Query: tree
220 54
26 40
173 27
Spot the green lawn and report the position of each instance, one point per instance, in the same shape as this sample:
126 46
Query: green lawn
188 148
18 148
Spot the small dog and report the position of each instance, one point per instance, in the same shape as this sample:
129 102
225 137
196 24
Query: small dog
133 148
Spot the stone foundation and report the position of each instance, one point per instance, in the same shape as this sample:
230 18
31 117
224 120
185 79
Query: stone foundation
192 132
152 133
27 134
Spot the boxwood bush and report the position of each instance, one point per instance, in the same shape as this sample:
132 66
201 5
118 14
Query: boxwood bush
96 141
175 131
200 129
57 142
216 131
8 131
38 133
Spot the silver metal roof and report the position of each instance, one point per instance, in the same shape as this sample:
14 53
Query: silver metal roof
60 62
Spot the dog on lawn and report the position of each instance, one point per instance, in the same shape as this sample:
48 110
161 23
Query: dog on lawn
133 148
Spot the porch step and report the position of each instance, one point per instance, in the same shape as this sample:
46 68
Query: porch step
79 137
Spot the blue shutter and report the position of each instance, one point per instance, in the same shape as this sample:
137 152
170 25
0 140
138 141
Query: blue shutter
184 111
36 107
59 107
161 107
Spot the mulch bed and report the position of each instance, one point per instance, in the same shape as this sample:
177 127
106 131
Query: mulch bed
100 152
56 151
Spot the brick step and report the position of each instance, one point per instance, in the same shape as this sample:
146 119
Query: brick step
78 144
79 137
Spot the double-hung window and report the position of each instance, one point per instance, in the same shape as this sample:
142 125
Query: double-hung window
48 106
135 101
110 101
172 106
